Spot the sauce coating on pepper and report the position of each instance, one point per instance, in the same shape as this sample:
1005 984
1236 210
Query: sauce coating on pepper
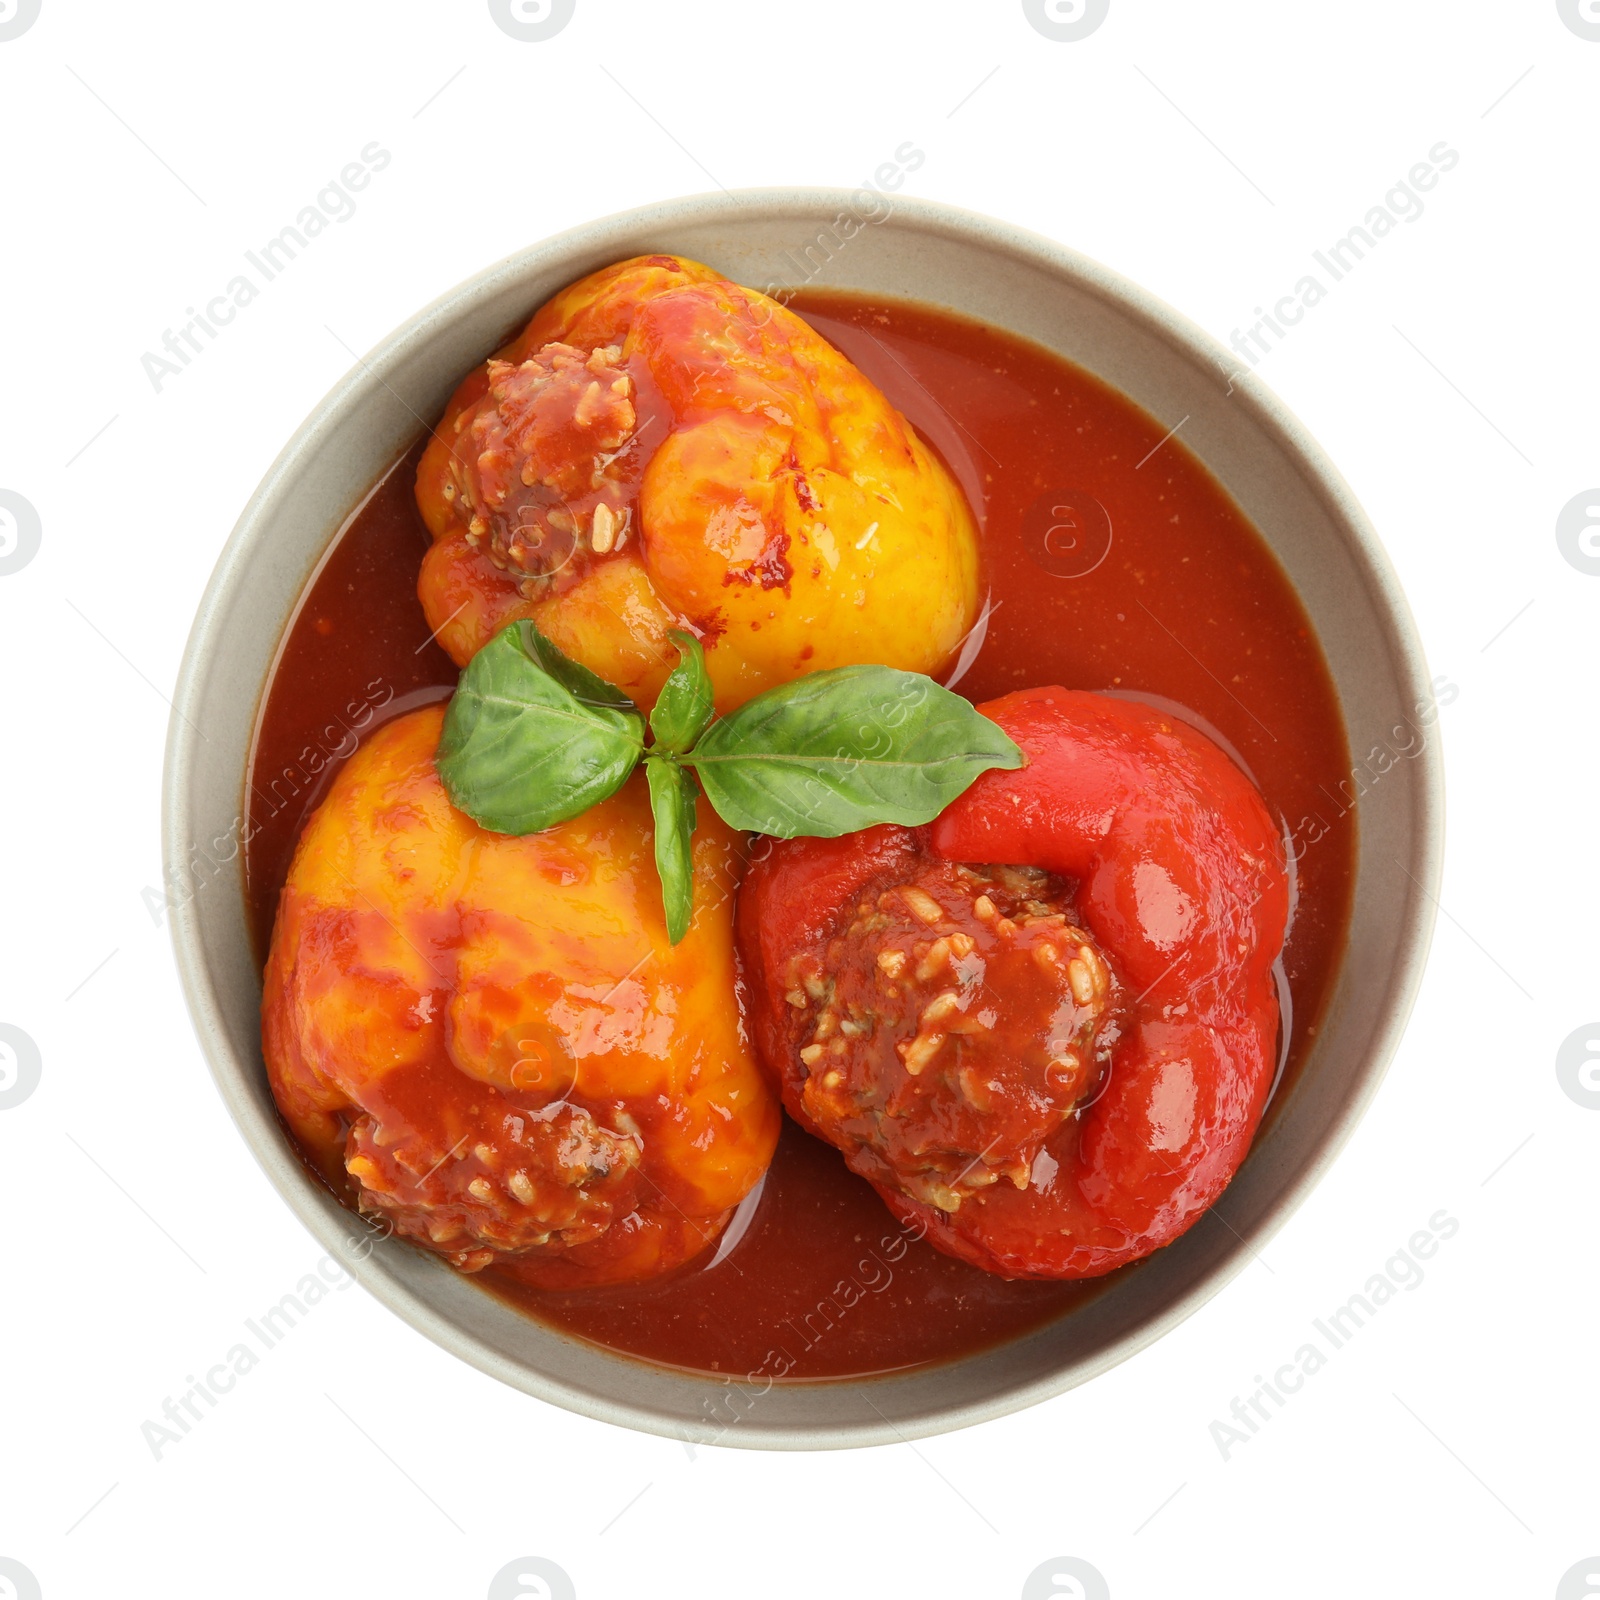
1187 604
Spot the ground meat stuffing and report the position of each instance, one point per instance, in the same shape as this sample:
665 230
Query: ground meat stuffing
544 467
952 1027
528 1180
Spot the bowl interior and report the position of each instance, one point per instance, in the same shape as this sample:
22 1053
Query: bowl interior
1015 281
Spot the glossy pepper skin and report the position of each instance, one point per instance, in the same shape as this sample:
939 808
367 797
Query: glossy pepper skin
1152 862
662 448
493 1037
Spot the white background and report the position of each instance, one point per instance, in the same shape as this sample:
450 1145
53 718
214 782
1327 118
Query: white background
1449 1447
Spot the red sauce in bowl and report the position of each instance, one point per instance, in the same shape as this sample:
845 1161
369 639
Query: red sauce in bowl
1114 562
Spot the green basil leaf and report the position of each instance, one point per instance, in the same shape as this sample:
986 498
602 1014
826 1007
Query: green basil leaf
573 676
672 804
532 738
684 706
837 751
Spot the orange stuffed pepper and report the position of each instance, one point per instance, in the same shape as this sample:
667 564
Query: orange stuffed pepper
661 448
491 1038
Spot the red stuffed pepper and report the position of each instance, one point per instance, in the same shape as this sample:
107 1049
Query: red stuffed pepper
1043 1027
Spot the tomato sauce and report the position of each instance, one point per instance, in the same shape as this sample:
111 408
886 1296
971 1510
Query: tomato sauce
1113 562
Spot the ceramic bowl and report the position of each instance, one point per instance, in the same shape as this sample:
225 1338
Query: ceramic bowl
1013 280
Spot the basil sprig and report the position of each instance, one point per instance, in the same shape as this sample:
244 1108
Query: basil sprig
532 739
683 708
672 804
838 751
